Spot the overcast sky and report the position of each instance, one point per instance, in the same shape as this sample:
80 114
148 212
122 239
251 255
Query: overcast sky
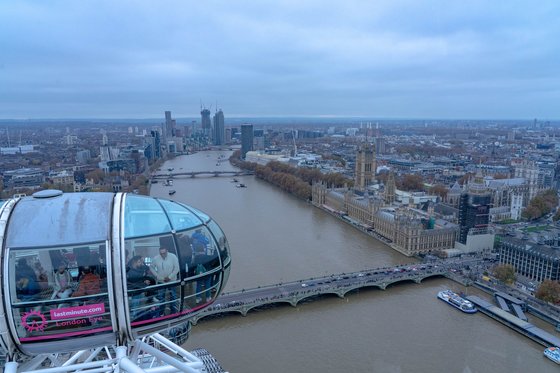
371 58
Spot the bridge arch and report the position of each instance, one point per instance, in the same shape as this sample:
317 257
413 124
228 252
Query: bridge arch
432 275
242 302
356 288
214 313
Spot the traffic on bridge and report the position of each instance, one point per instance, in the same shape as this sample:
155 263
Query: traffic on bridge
337 284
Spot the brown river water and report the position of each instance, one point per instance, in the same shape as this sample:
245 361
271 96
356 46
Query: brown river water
275 237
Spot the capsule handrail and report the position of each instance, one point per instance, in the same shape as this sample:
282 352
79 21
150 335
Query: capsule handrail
156 286
58 301
210 272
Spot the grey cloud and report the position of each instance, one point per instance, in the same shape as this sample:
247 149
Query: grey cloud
387 58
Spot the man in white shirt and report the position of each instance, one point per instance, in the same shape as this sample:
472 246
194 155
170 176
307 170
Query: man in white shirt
165 268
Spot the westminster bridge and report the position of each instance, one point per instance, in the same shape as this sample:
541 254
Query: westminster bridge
297 291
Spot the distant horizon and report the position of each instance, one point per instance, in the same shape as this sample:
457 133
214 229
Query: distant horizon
273 117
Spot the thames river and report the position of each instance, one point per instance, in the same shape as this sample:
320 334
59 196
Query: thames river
275 237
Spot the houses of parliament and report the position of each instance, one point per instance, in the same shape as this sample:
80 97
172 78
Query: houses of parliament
411 223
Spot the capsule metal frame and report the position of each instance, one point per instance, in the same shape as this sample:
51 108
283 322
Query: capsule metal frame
127 226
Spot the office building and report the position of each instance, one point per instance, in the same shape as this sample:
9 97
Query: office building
246 139
205 122
167 131
23 178
83 156
155 141
229 136
219 130
533 260
258 140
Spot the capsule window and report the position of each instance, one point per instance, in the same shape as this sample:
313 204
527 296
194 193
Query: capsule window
203 269
59 292
153 278
223 246
144 217
205 218
171 274
181 218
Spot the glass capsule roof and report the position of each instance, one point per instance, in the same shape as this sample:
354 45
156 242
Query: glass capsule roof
145 216
59 220
86 217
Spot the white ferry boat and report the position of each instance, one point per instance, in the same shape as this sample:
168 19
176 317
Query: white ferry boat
553 353
456 301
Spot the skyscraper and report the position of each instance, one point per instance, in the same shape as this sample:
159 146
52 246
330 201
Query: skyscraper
167 127
205 122
246 139
219 130
156 144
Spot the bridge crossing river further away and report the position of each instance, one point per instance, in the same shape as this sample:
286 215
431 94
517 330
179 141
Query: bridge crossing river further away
171 175
294 292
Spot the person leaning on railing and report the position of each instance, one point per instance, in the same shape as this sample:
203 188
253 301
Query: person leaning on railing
165 268
137 278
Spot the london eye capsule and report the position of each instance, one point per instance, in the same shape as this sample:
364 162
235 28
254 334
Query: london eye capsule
94 269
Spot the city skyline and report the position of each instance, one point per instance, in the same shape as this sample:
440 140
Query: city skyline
390 60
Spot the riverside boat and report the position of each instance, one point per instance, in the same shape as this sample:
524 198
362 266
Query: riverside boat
456 301
553 353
